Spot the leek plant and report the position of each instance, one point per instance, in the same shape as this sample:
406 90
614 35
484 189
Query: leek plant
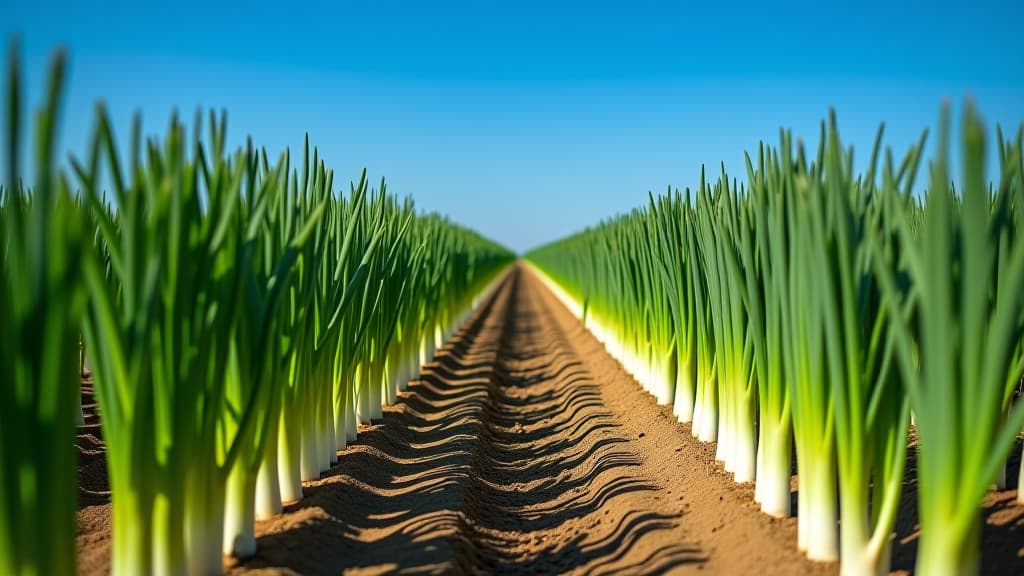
1015 385
966 265
809 391
870 406
717 210
670 250
661 346
705 408
762 249
388 273
155 324
353 321
44 248
284 216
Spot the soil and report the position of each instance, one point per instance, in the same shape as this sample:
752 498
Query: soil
524 448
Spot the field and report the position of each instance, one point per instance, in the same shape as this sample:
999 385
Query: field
256 369
525 448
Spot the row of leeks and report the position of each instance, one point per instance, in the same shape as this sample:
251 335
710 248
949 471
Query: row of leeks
240 317
817 309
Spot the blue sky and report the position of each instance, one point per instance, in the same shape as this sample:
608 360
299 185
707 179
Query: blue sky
530 120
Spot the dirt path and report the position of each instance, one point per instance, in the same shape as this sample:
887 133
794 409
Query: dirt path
524 449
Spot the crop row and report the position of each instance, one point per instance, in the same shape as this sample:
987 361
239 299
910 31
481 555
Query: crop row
837 313
240 318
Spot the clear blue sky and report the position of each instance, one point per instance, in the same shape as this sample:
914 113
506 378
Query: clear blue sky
529 120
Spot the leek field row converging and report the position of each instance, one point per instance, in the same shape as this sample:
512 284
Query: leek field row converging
240 316
815 313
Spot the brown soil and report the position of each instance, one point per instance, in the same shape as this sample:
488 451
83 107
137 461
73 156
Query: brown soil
526 449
